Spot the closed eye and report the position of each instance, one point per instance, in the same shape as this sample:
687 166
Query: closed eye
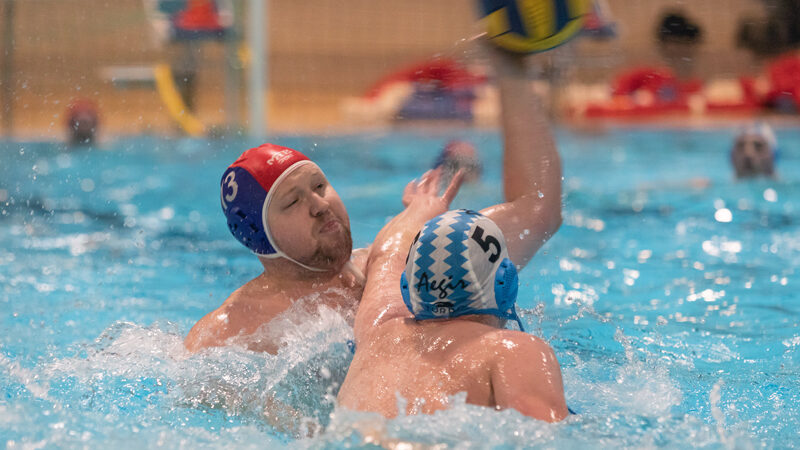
289 205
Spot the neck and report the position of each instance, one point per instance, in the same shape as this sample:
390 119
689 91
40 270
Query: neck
486 319
281 271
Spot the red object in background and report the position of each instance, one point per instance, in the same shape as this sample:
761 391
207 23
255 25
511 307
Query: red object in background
199 15
784 77
650 79
448 72
660 81
669 95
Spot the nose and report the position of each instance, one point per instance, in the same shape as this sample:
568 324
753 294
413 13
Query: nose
318 205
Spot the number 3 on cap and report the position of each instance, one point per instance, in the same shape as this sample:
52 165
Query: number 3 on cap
230 181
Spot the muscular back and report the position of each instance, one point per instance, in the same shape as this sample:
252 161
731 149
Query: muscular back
423 363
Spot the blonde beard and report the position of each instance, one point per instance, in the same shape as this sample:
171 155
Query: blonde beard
333 256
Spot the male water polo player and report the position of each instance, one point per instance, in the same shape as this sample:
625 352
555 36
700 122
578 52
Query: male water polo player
461 285
280 205
459 288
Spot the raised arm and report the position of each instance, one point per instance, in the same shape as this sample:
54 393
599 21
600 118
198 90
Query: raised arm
381 300
531 164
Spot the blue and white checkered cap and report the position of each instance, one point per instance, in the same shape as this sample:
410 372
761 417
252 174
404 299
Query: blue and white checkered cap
452 269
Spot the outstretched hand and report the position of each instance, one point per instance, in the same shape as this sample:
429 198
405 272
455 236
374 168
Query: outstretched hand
426 189
381 300
423 202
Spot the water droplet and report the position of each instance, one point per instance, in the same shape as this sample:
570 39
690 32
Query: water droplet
541 194
87 185
723 215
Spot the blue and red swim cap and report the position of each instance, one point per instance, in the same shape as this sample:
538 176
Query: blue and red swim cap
246 189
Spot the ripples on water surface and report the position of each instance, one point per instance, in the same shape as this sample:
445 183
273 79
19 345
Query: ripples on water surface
673 308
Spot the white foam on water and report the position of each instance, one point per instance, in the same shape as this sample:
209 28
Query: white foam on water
252 399
146 370
28 378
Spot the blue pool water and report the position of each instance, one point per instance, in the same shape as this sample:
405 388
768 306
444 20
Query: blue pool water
673 309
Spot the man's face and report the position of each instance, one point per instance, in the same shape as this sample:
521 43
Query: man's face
752 156
308 220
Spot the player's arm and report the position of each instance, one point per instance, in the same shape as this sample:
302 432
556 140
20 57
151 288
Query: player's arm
531 164
526 376
382 300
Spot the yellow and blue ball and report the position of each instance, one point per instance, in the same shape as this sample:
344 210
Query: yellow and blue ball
530 26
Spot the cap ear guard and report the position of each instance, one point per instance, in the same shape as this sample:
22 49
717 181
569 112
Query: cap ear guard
242 199
247 231
405 293
506 285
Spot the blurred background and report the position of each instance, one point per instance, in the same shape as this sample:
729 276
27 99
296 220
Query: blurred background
187 66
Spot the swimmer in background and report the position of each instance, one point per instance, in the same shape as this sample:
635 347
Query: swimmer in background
458 155
466 350
82 122
752 155
754 151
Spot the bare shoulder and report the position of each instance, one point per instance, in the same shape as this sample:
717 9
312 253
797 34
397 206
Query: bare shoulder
210 331
526 375
360 256
509 345
238 315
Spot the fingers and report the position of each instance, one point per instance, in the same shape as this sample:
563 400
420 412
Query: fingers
453 187
428 186
436 176
429 182
424 181
408 192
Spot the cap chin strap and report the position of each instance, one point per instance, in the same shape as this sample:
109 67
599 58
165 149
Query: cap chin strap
519 322
280 254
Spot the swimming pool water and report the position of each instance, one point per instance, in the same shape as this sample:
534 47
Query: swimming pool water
671 303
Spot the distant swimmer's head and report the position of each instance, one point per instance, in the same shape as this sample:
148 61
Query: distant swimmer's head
279 203
82 121
458 155
753 153
458 265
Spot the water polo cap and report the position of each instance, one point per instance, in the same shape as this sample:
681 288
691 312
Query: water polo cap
762 130
458 265
246 189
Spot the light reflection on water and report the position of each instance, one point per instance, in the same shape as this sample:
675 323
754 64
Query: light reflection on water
673 327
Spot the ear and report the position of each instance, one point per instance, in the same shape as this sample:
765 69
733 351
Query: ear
506 285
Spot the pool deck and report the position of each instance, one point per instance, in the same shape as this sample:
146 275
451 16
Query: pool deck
321 113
